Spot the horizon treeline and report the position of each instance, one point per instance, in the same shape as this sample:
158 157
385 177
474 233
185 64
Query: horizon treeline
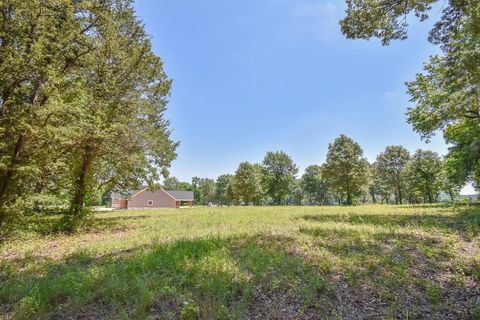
346 177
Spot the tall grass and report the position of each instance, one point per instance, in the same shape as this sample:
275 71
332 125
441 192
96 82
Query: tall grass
246 262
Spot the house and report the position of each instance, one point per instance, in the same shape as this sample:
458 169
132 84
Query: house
146 198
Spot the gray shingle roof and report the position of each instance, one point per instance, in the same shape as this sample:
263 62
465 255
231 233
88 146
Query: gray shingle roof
125 194
177 194
181 195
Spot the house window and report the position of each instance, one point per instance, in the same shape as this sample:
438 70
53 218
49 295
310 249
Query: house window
150 202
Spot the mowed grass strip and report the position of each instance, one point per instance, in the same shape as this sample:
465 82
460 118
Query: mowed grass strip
250 262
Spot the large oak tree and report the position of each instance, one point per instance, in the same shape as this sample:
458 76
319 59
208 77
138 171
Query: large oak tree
279 173
346 170
389 167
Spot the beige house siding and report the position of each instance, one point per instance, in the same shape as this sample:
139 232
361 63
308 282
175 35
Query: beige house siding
149 199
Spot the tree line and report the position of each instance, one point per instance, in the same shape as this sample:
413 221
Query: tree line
346 178
82 102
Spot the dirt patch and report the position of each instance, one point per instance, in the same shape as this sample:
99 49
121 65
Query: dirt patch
165 307
95 311
283 305
412 301
5 311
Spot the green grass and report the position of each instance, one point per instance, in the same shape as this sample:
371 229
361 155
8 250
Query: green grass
249 262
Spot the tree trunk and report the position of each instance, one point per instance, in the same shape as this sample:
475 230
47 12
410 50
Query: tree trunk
429 195
81 183
452 195
349 198
7 178
38 191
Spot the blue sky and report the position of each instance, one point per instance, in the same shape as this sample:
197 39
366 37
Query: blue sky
251 76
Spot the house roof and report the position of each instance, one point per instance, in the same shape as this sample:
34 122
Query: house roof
125 194
180 195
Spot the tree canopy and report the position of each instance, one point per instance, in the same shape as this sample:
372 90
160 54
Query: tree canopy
446 94
314 185
279 175
247 183
222 186
389 167
82 102
424 176
345 168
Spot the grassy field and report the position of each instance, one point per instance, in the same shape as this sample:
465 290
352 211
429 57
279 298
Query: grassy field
365 262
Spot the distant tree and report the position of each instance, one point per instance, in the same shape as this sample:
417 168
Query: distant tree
450 185
170 183
203 190
222 196
314 185
345 169
389 167
208 190
246 183
230 192
197 191
424 175
296 194
364 193
373 187
260 194
184 186
377 186
279 173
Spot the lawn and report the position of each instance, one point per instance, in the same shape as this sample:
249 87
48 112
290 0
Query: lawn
363 262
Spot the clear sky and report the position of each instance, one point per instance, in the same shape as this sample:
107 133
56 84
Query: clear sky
251 76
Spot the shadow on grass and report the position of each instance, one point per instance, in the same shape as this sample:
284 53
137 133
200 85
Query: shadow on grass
406 275
340 272
465 223
50 224
439 205
244 277
211 278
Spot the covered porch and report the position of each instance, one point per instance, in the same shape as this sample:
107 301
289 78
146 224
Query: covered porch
183 203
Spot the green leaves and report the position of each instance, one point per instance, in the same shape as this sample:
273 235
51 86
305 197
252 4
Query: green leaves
223 189
346 171
388 171
314 185
279 173
423 174
246 183
446 94
385 19
82 100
